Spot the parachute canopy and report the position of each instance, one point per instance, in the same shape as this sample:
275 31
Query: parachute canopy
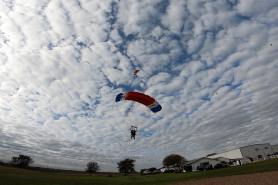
144 99
136 71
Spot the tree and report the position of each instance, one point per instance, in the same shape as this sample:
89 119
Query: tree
174 160
92 167
22 161
211 154
126 166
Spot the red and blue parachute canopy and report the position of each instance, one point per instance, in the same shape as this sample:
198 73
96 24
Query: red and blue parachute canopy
140 98
136 71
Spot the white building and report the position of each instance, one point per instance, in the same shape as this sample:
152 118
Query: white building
223 159
241 154
202 162
275 148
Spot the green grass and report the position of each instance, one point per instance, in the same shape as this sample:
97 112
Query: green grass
12 176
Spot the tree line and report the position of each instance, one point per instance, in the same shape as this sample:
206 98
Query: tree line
125 166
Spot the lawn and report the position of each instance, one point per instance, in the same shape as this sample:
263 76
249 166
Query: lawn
12 176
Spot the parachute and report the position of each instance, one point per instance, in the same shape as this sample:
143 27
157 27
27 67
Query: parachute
144 99
135 72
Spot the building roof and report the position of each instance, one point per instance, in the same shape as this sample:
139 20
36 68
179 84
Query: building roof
240 147
224 152
194 160
220 157
255 144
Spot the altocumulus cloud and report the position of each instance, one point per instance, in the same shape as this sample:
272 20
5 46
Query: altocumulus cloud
210 64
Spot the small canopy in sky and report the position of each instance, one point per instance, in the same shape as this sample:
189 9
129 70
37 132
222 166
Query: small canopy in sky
136 71
144 99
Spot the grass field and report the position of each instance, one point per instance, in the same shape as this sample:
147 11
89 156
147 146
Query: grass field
16 176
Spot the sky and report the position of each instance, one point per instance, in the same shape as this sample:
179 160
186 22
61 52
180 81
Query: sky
211 64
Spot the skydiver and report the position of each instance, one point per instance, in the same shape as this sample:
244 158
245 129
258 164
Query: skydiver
133 132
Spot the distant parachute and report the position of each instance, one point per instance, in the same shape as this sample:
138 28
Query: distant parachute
144 99
135 72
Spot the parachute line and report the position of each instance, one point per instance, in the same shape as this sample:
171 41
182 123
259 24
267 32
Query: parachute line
131 105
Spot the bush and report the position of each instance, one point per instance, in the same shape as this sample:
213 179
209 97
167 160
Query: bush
188 168
152 169
169 171
142 171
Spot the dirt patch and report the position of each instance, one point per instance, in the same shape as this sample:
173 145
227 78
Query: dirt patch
265 178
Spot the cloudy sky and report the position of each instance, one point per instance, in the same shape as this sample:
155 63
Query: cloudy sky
211 64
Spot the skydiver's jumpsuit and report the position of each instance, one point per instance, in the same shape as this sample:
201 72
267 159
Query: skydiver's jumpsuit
133 133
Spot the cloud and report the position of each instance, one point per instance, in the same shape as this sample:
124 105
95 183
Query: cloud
259 8
138 17
175 16
210 64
